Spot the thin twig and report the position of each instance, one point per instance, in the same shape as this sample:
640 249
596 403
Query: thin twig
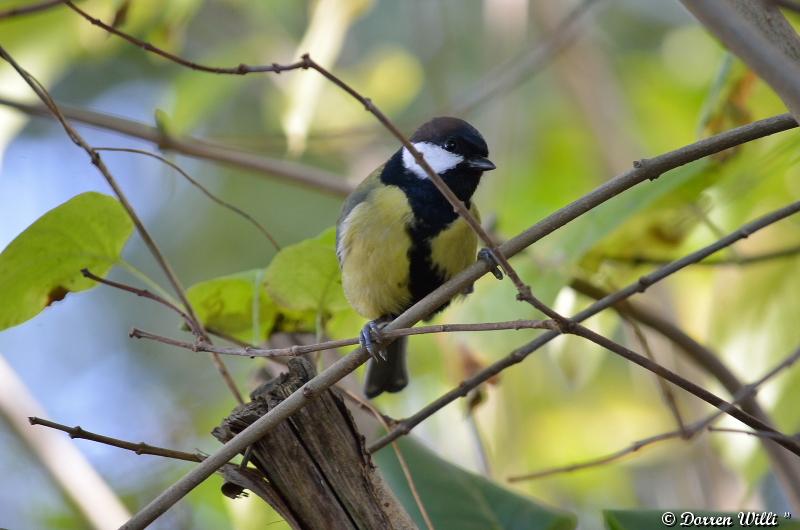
294 351
139 448
757 434
241 69
405 426
29 9
599 461
400 458
205 191
666 391
144 293
787 252
97 161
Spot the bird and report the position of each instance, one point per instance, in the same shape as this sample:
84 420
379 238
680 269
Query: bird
398 238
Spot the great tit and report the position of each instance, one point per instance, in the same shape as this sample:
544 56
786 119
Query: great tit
398 238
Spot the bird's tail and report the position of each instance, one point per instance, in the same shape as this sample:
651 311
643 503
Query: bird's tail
389 375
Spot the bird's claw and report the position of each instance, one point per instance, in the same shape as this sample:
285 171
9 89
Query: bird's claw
486 255
371 340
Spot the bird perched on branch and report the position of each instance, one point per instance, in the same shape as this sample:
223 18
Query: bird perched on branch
398 238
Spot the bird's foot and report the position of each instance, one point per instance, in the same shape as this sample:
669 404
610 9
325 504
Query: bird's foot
371 340
486 254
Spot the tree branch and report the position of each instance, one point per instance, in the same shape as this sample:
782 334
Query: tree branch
296 350
139 448
205 191
29 9
753 259
286 171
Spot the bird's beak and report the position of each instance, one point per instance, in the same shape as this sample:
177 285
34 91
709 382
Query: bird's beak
481 164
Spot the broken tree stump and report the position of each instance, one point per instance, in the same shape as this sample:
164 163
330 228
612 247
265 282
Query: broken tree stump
318 473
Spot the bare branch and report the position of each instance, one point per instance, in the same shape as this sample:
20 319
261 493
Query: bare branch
241 69
29 9
139 448
400 458
785 465
290 172
144 293
294 351
205 191
666 391
754 259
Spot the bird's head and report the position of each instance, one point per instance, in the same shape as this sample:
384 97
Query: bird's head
452 147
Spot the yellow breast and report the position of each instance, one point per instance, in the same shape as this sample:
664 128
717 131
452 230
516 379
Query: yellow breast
373 250
455 248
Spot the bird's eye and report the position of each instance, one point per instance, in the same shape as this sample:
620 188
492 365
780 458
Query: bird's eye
450 144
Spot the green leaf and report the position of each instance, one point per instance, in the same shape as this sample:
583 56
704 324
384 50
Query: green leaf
237 305
43 264
459 500
647 519
305 276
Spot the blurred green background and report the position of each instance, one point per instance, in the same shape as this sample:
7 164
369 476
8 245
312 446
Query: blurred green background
632 79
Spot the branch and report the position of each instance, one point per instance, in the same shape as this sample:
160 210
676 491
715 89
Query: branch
241 69
286 171
666 392
144 293
139 448
97 161
296 350
405 426
644 170
205 191
787 252
29 9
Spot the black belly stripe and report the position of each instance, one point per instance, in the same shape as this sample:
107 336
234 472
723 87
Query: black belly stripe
423 276
432 214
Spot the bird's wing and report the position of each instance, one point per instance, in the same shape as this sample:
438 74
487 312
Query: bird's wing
355 198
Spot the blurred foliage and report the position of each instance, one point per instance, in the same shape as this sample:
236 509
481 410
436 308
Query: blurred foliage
670 82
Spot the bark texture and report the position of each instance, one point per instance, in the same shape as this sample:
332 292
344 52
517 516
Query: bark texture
318 473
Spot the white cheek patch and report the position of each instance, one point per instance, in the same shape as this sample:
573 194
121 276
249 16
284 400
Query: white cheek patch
438 158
